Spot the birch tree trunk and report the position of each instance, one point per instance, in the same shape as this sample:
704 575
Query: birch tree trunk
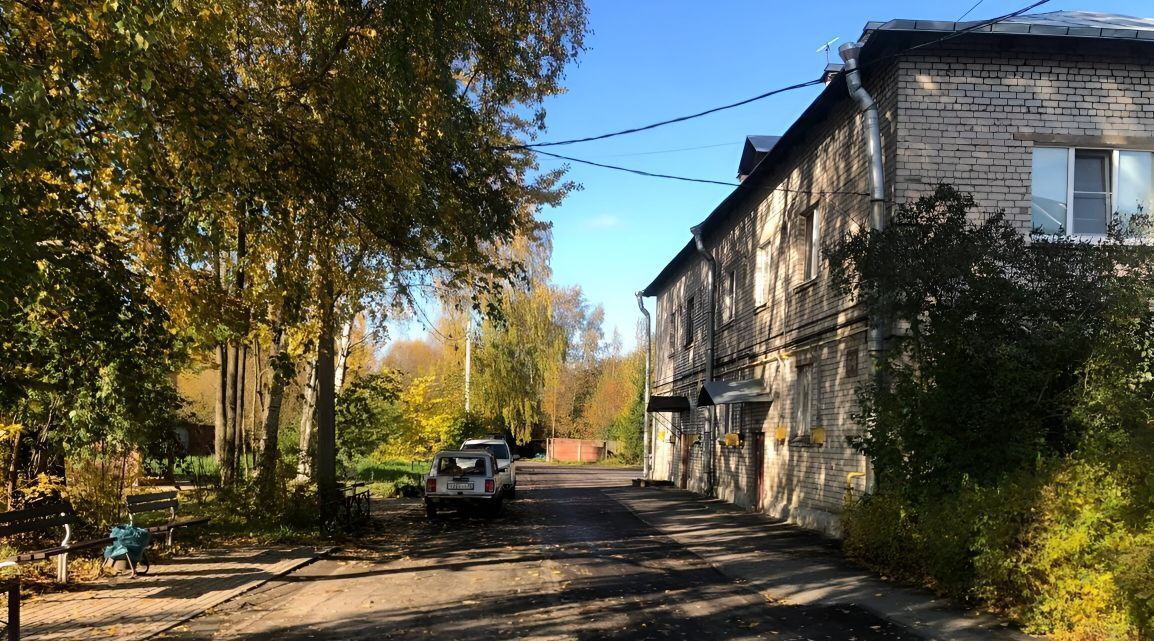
308 414
344 348
270 423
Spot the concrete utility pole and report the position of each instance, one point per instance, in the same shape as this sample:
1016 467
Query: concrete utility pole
646 442
468 357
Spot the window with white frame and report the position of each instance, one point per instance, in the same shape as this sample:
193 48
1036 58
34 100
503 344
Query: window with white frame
810 245
803 410
761 275
729 296
1084 191
671 329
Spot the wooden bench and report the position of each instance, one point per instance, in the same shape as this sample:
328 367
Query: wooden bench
42 518
159 502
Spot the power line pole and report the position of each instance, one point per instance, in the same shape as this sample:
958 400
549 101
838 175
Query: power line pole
468 357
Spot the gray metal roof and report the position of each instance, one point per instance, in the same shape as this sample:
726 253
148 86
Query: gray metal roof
1076 24
762 143
751 390
756 147
668 404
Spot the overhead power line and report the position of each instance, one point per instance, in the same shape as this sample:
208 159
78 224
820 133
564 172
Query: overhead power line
771 92
970 29
673 151
535 147
634 171
812 192
623 132
975 6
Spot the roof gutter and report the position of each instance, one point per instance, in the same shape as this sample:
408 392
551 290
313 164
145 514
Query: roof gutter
711 329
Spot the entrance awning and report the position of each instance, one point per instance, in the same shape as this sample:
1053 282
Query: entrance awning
726 392
667 404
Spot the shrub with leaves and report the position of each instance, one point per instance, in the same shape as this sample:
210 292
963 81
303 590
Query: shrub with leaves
1009 421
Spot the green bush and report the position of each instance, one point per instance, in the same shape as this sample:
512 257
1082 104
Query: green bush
1009 425
1059 549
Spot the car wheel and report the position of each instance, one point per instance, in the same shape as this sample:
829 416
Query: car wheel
512 492
430 511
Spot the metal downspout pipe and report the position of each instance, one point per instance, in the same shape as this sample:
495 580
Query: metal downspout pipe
646 465
877 332
711 328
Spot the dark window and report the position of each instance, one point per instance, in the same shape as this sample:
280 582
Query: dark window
461 465
688 321
851 366
498 450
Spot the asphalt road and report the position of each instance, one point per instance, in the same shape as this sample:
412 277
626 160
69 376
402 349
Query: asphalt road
565 561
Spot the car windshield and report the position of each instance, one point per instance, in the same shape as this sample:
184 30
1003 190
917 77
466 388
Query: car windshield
498 450
461 465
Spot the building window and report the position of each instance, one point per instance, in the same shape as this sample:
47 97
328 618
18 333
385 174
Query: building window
687 322
1084 191
761 275
810 245
671 329
729 296
803 411
732 418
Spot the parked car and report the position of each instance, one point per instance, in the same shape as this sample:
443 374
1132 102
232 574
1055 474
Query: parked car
460 478
506 460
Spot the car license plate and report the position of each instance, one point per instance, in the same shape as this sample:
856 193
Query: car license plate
460 486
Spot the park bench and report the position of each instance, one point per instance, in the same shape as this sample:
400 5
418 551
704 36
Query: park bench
41 519
159 502
352 505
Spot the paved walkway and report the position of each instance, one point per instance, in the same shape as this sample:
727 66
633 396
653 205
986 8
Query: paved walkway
124 608
793 566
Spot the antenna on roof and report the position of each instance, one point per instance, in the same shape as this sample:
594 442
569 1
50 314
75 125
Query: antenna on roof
826 47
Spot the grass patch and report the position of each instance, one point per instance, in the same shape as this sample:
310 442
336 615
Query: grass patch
384 477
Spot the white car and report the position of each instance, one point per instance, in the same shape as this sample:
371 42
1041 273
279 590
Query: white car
463 479
506 460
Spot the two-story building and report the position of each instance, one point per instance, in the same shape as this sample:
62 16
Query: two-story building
756 359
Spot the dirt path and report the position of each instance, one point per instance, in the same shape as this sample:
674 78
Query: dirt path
566 561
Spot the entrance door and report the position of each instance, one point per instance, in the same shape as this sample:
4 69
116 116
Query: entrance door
757 460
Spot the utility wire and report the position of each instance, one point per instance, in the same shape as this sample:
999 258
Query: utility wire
969 10
672 151
633 171
774 92
536 145
639 172
970 29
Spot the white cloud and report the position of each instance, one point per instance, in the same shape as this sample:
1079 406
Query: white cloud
604 221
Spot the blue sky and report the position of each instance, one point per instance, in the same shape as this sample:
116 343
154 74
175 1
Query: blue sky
648 61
